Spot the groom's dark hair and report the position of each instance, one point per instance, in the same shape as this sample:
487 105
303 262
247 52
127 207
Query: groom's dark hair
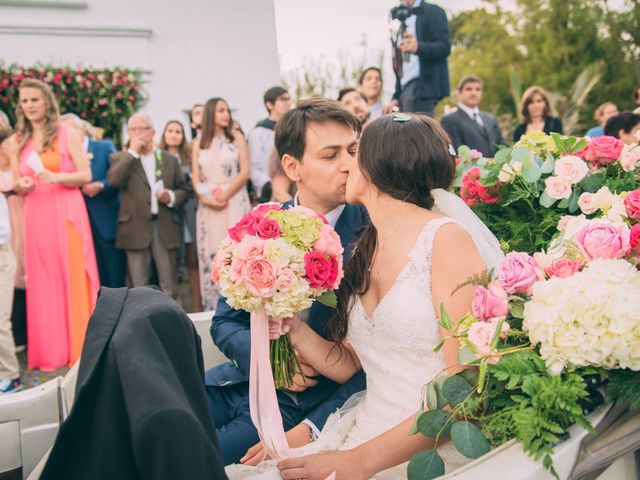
405 156
291 129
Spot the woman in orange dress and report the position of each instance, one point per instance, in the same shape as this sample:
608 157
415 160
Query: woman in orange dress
61 270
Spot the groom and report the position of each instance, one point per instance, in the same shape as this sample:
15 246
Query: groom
316 142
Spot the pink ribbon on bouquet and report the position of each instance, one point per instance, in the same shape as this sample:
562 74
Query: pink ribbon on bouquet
263 401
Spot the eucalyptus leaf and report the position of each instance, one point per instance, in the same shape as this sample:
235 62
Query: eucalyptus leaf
546 201
592 183
435 397
425 465
573 201
548 165
328 298
456 389
414 426
522 155
434 423
469 440
502 155
531 171
564 203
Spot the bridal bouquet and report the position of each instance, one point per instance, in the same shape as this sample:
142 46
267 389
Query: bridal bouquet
522 192
279 261
542 339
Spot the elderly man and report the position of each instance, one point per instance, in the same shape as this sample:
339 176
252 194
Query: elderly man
102 203
152 192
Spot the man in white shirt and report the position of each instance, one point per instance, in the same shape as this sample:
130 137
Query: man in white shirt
469 125
152 192
277 101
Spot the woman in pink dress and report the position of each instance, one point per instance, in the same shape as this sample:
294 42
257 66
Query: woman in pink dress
220 165
61 270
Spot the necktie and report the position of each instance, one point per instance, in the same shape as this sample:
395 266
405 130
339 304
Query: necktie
477 119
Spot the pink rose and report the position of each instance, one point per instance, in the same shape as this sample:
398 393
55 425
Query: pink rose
261 210
489 302
304 211
329 242
634 236
571 169
286 279
268 228
601 240
318 269
216 264
632 204
630 157
543 260
586 203
557 188
235 269
475 154
603 150
259 277
251 248
564 268
480 335
335 273
518 273
245 226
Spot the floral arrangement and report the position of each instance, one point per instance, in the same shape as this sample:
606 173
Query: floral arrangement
543 339
279 261
102 96
522 192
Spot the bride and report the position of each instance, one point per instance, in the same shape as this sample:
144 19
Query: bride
408 262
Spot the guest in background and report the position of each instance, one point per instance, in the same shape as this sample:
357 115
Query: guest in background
625 126
60 262
603 113
283 189
152 193
195 117
535 113
221 167
469 125
356 103
9 366
174 141
15 191
370 85
102 203
236 129
277 101
636 97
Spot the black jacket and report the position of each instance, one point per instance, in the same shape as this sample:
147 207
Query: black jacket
140 410
551 124
463 130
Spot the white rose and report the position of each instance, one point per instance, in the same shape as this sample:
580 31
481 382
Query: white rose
557 188
586 203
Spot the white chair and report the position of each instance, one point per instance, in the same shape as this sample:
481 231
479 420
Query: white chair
211 354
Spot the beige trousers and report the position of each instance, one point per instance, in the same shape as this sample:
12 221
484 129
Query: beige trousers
9 367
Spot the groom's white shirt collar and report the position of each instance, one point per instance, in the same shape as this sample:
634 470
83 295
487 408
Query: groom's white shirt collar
332 216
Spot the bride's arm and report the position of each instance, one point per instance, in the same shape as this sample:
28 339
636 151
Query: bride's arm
337 362
454 259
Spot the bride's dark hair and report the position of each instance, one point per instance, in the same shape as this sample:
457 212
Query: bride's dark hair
404 156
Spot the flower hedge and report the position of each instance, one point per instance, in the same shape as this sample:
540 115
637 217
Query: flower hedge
105 97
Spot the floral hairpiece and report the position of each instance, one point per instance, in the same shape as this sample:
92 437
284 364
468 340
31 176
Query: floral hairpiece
401 117
452 151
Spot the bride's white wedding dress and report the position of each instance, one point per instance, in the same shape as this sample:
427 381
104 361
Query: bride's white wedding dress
395 346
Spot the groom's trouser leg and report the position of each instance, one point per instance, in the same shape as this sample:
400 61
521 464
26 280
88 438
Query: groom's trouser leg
230 408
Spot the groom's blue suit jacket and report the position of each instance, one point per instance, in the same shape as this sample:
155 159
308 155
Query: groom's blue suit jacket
230 333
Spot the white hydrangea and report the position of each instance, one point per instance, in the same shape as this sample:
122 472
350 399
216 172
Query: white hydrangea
590 318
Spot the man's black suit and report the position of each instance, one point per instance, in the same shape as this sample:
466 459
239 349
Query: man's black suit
463 130
140 410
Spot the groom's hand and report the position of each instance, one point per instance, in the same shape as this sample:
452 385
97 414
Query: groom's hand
300 383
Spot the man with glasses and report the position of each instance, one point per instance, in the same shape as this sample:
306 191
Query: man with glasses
152 192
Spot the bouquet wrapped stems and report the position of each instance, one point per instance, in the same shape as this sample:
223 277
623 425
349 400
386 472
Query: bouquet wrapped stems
284 361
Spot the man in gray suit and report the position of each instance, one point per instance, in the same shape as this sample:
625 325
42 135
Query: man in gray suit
468 125
152 192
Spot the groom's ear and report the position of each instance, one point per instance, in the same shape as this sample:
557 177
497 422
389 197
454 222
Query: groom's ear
291 167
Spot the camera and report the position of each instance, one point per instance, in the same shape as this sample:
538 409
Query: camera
400 12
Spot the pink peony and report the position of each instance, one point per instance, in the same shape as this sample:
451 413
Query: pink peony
602 240
564 268
318 269
634 236
489 302
571 169
586 203
632 204
245 226
286 279
261 210
604 150
329 242
268 228
518 273
259 277
251 248
557 188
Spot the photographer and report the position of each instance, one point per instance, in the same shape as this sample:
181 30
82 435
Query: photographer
420 57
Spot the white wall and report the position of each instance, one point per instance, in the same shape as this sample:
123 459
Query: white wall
192 50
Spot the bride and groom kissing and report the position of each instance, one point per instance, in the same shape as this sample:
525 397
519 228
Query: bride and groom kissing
410 243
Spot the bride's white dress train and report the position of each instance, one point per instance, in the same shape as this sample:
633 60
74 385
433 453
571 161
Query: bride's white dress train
395 345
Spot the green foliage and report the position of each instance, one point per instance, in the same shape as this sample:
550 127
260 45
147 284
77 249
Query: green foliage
425 466
105 97
435 423
456 390
468 439
623 387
